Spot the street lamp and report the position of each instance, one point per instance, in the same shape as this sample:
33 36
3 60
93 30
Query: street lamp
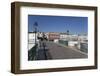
67 32
68 35
35 30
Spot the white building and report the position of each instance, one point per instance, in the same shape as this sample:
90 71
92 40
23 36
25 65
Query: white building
31 37
63 36
68 37
83 38
72 43
31 40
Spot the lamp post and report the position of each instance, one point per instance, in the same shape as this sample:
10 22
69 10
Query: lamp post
35 30
67 32
68 35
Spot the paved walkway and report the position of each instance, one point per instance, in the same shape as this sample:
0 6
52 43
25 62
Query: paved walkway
61 52
55 51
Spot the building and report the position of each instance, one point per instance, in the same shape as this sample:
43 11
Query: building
68 37
63 36
73 37
53 35
32 39
83 38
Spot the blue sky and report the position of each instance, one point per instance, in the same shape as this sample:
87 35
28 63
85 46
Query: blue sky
75 25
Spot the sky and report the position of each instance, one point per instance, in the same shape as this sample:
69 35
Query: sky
75 25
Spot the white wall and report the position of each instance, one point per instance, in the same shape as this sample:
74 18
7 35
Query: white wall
5 33
72 43
31 40
31 37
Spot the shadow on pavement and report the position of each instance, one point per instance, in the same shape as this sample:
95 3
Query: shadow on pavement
43 54
32 53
